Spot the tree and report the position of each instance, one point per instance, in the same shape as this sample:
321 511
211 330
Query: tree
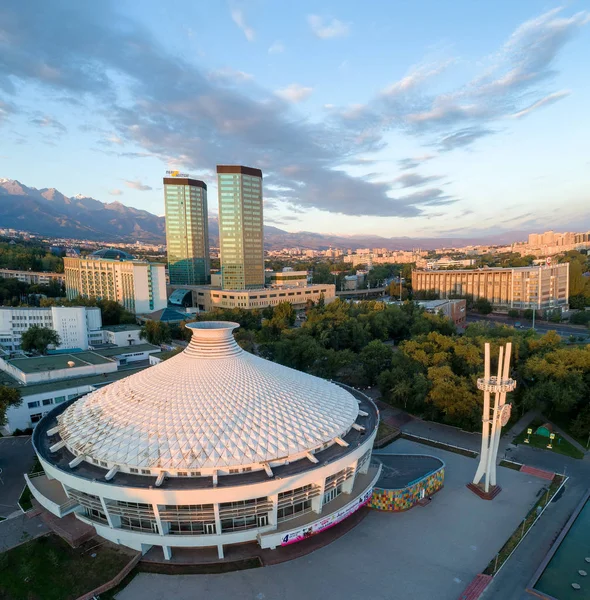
37 339
113 313
156 332
375 358
482 306
8 397
513 313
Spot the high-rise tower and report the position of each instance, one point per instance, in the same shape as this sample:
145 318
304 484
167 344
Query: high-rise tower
187 231
240 227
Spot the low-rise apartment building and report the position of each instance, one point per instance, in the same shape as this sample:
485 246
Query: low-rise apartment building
540 287
33 277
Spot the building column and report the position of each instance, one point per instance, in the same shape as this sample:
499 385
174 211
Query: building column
167 552
217 519
161 526
272 515
317 502
110 520
348 484
220 551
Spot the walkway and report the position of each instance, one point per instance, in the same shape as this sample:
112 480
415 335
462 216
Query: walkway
20 529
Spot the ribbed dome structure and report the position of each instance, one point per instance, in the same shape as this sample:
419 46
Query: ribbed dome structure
213 406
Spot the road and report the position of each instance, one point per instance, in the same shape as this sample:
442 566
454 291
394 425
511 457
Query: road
16 458
562 329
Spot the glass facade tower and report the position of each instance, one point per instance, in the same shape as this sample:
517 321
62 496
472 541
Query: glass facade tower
240 227
187 231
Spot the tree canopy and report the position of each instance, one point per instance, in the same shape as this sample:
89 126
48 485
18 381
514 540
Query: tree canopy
8 397
37 339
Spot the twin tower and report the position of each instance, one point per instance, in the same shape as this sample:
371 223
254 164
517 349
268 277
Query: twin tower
241 240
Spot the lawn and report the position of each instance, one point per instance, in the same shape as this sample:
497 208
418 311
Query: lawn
49 569
560 445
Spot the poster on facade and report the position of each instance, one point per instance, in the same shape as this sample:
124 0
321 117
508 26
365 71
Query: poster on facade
327 522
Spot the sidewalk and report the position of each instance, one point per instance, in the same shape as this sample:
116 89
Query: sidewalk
20 529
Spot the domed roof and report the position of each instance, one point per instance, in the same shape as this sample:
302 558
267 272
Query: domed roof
213 406
113 253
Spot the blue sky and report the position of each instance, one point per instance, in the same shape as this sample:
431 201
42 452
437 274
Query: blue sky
421 118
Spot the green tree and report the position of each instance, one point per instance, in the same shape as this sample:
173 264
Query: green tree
482 306
37 339
114 314
8 397
156 332
513 313
375 358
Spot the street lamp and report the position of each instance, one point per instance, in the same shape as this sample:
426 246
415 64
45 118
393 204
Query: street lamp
528 431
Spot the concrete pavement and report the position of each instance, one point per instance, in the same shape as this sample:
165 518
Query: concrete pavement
20 529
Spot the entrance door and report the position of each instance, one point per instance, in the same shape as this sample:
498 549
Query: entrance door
422 494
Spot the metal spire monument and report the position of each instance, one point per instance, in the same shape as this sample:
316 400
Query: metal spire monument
493 420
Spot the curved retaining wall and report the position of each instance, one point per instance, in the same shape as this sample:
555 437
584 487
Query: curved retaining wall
405 498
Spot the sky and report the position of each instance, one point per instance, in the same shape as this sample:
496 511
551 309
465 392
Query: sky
395 118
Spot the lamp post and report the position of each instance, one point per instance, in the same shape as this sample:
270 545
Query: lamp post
528 435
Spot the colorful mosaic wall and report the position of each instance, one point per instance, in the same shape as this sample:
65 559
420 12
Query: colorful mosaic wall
405 498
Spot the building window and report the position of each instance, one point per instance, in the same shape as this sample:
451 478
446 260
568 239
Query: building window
36 417
34 404
59 399
146 472
132 470
47 402
332 494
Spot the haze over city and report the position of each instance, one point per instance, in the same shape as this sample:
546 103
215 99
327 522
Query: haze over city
425 120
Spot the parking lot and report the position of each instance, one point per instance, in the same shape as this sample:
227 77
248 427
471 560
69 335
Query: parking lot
16 458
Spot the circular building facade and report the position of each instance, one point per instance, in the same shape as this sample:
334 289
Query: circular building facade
214 446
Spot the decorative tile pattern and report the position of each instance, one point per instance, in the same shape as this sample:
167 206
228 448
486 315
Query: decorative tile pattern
405 498
211 406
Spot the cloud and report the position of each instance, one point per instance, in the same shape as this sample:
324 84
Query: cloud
294 93
414 179
238 18
462 138
227 74
173 110
137 185
513 83
546 101
326 28
276 47
116 192
413 162
6 109
46 121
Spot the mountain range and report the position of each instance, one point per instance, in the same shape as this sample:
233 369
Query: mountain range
48 212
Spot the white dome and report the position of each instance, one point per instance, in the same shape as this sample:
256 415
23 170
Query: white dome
213 406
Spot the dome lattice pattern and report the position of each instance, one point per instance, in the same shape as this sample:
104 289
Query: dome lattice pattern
211 406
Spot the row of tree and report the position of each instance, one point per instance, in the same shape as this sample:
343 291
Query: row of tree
29 256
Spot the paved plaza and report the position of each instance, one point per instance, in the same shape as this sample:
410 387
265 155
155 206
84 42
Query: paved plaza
427 552
16 458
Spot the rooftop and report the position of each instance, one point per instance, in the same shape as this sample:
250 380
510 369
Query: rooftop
401 470
106 352
213 406
52 362
119 328
62 457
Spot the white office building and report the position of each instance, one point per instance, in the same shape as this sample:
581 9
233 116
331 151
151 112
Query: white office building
214 446
77 326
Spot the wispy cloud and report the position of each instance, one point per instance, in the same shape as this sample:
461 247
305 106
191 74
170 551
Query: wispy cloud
116 192
227 74
414 179
325 29
137 185
276 47
46 121
547 100
294 93
238 18
413 162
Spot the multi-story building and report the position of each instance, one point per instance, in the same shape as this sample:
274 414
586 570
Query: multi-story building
540 287
33 277
455 310
288 278
240 227
140 286
187 231
77 326
208 297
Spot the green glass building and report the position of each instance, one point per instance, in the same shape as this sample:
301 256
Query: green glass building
187 231
240 227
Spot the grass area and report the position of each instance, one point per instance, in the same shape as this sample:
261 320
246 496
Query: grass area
441 445
48 569
25 498
560 444
565 425
524 526
510 465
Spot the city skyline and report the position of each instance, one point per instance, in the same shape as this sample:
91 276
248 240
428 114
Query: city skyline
458 134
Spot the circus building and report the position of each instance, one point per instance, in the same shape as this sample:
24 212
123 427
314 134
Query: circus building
212 447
